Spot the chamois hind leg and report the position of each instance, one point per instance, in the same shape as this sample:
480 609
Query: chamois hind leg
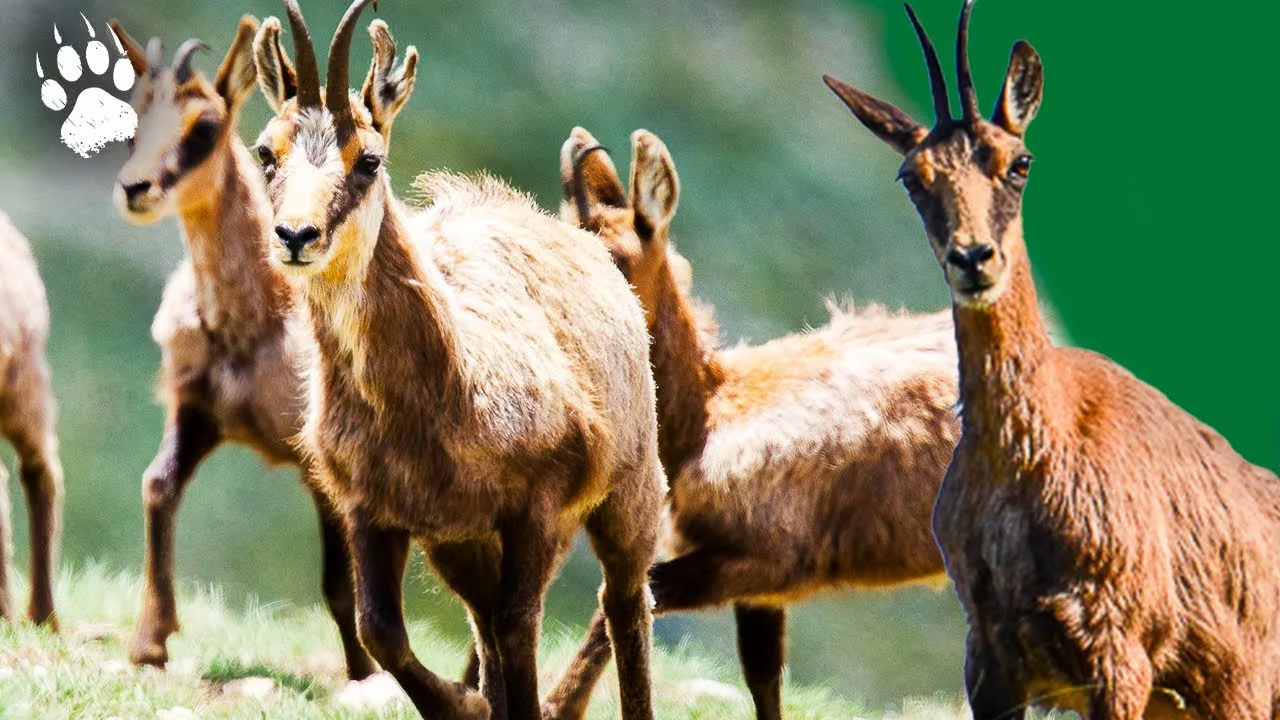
27 421
472 570
570 697
380 556
762 639
624 535
338 585
6 546
190 435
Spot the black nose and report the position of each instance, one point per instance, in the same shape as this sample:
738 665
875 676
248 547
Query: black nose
134 189
969 258
295 240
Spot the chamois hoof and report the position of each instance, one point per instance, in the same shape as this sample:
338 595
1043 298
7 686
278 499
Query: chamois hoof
147 651
471 704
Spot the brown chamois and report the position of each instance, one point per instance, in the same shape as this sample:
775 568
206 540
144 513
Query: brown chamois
1113 554
481 386
233 350
808 463
27 420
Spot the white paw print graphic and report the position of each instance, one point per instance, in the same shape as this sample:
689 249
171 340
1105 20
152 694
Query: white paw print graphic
97 117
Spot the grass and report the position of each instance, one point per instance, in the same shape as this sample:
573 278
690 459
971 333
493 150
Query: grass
84 673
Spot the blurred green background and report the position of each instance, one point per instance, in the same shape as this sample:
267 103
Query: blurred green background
1147 221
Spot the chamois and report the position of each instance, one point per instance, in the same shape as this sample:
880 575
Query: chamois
1114 555
233 349
27 420
481 385
808 463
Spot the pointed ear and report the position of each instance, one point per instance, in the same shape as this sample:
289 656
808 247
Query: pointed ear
589 177
237 73
386 89
655 187
888 122
137 56
276 77
1023 90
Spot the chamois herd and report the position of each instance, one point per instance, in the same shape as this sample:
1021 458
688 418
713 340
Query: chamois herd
464 371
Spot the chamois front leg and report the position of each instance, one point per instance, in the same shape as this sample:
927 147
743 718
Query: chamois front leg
189 436
473 571
1120 678
380 557
6 546
338 585
762 640
529 553
570 697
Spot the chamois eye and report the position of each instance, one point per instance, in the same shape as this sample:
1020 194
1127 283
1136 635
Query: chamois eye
266 158
368 164
1020 167
911 182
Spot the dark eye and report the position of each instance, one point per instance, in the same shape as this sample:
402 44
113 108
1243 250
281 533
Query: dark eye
266 158
368 164
911 182
1020 167
199 142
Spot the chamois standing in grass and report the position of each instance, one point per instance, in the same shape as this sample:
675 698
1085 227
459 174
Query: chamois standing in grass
481 385
808 463
233 349
27 419
1114 555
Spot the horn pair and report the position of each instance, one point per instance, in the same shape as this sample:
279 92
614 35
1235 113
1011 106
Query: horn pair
181 58
968 94
337 81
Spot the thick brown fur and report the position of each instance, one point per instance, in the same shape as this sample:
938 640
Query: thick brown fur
232 349
481 386
1114 555
27 421
808 463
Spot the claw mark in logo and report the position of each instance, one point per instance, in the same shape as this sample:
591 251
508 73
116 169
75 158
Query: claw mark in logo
96 117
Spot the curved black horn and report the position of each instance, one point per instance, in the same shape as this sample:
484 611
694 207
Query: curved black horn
155 54
182 59
337 81
937 81
968 95
304 56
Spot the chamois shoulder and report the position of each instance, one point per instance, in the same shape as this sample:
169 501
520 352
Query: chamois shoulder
446 191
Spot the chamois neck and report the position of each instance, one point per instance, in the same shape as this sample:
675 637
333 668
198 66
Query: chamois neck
687 374
391 318
1003 348
226 225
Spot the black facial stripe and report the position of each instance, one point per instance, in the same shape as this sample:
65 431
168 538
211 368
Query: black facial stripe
643 227
168 178
934 216
198 145
349 196
1006 204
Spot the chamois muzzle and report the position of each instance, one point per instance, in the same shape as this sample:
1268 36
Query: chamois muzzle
296 240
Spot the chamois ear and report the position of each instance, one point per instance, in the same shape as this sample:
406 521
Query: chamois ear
655 187
1023 90
137 56
589 177
386 89
276 77
237 73
888 122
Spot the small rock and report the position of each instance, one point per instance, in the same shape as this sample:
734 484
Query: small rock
707 688
375 691
257 688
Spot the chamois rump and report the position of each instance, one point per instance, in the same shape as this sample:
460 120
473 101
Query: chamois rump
27 421
808 463
233 348
481 386
1114 555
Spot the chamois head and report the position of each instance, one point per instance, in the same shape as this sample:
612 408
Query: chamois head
323 153
634 227
182 121
965 176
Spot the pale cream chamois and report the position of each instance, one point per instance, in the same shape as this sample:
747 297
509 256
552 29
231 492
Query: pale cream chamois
1114 555
808 463
233 350
27 421
481 386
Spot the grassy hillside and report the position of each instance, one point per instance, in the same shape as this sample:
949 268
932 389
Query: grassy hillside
282 661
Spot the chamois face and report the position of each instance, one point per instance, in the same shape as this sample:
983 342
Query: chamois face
323 154
633 227
183 121
966 177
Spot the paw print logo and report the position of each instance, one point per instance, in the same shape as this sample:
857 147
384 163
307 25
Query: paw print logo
97 117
